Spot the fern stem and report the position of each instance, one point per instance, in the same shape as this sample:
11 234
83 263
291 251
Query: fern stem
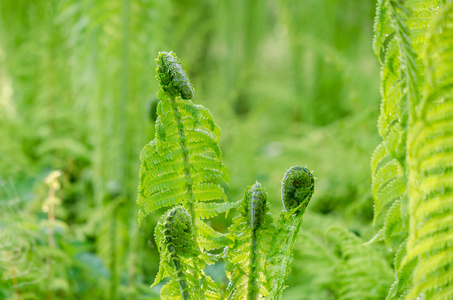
180 273
252 286
256 201
185 152
189 183
287 257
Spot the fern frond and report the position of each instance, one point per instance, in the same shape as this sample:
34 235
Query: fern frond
112 238
361 273
431 183
183 164
388 160
419 21
401 39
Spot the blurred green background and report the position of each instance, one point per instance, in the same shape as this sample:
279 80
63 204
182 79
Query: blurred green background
291 82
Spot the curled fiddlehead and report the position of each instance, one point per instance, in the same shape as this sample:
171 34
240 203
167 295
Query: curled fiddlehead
181 259
297 188
178 232
172 76
175 239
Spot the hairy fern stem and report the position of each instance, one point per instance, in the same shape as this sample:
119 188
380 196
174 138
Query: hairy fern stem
252 288
292 230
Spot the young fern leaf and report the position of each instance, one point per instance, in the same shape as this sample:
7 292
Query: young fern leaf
361 272
430 239
297 189
183 164
252 232
179 258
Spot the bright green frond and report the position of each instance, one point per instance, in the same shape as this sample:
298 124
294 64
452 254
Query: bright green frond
362 273
182 163
431 190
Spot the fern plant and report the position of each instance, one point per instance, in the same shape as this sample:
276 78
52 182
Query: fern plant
182 168
411 168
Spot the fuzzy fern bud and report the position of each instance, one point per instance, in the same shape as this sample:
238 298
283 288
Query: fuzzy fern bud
172 77
297 188
255 208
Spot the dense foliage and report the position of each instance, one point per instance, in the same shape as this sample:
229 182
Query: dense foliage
289 82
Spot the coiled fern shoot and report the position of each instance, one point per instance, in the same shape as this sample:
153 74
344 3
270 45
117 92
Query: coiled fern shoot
182 168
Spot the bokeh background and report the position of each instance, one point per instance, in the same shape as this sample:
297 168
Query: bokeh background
291 82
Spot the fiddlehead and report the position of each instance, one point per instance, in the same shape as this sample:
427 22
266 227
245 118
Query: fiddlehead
172 76
177 247
255 208
178 232
252 231
297 190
